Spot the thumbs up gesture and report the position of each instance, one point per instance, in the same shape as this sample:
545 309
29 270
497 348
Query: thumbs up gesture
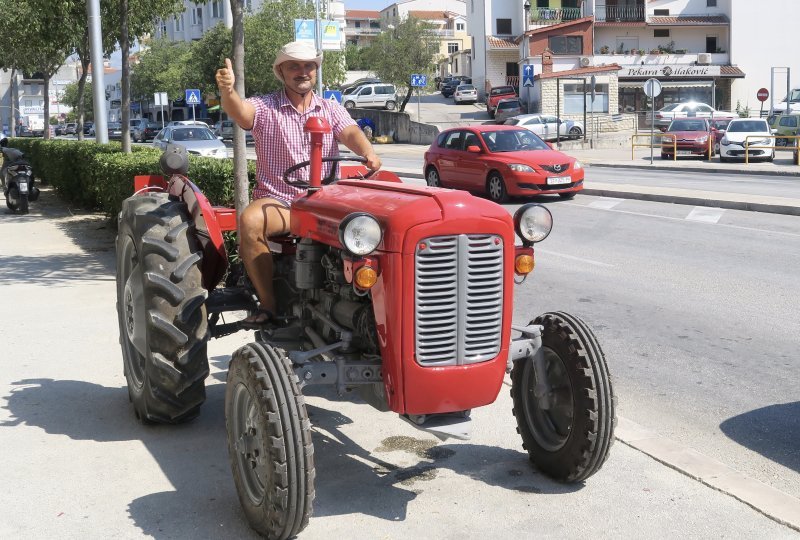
225 78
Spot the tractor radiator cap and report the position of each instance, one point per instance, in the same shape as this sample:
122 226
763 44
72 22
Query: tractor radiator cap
174 160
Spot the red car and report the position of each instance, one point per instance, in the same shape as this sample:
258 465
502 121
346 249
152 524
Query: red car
501 161
693 137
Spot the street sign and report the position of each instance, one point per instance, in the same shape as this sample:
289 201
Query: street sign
763 94
652 88
419 80
160 98
332 95
527 75
594 91
193 97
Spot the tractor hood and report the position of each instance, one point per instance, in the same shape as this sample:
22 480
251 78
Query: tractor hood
398 207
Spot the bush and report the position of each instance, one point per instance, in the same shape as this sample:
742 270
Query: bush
99 176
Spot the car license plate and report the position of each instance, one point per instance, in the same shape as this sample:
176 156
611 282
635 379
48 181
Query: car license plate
684 152
553 180
23 187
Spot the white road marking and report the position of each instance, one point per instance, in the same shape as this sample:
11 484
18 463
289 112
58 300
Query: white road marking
573 258
705 214
605 204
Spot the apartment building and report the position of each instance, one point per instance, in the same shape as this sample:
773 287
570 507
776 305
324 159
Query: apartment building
24 95
448 18
361 26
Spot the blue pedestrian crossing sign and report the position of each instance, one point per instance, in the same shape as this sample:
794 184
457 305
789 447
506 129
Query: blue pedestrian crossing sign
419 80
332 95
193 97
527 75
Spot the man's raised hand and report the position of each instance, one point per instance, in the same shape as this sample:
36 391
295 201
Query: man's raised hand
225 77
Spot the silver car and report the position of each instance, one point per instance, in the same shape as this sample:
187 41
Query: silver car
506 108
197 140
547 126
465 93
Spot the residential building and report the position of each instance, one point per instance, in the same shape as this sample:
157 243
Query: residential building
29 89
361 26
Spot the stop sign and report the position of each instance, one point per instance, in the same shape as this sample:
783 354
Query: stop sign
763 94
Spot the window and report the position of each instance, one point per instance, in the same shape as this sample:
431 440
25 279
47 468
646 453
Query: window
661 12
179 22
661 32
366 91
452 140
216 9
455 64
460 27
512 69
163 27
566 44
574 95
197 16
788 121
504 26
711 3
452 47
711 44
248 6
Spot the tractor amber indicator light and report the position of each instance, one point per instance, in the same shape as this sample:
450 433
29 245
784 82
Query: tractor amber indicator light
524 264
497 241
366 277
422 246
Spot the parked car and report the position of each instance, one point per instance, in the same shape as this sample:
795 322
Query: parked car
506 108
449 88
373 96
59 129
224 129
785 124
186 123
151 131
547 126
689 109
465 93
496 94
196 139
347 89
88 128
24 131
718 127
500 161
688 137
114 131
137 128
753 132
70 128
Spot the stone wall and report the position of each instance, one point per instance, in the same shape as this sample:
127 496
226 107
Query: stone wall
397 125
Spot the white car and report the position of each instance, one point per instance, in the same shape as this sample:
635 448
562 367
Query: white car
753 132
545 125
689 109
465 93
197 140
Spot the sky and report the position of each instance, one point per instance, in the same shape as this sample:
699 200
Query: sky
375 5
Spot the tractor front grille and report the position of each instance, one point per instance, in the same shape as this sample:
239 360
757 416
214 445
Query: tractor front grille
458 299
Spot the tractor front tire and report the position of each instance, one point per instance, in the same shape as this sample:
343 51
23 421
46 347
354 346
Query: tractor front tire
570 438
161 302
269 441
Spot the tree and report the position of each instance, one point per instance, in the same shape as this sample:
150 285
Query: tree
356 58
160 68
407 49
72 96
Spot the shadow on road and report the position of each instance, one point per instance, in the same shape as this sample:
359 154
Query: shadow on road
55 269
771 431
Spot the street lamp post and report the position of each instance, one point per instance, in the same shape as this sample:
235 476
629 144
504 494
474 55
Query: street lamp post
527 8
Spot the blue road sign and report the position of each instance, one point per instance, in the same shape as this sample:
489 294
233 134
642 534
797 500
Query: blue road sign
419 80
527 75
332 95
193 97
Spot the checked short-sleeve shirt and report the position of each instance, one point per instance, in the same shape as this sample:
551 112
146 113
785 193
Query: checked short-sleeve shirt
281 142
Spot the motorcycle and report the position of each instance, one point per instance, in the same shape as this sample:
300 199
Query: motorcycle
17 179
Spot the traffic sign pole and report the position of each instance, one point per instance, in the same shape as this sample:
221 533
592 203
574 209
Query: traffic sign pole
763 95
652 88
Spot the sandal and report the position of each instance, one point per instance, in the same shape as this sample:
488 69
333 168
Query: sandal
257 319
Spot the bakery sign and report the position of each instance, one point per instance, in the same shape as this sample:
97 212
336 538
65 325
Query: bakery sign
668 70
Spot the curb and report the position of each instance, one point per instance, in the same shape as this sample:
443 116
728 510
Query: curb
771 502
690 169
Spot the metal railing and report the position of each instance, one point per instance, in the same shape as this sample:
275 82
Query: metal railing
793 148
651 143
541 15
613 13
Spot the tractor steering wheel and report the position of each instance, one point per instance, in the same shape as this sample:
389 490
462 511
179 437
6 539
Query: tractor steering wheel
330 179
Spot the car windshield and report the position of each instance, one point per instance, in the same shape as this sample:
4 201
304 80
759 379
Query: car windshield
512 121
512 141
153 125
720 124
794 95
747 126
501 90
465 87
192 134
114 125
508 105
687 125
669 108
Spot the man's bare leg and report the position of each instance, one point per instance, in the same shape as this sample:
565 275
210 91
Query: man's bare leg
261 219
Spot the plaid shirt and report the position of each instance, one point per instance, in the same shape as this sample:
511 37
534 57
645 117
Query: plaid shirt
281 142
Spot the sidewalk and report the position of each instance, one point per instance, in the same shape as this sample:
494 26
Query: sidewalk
732 198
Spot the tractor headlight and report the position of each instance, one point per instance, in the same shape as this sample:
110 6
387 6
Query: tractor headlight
360 233
533 222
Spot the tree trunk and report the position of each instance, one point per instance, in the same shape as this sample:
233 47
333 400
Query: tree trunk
81 91
126 78
14 103
46 134
405 100
240 185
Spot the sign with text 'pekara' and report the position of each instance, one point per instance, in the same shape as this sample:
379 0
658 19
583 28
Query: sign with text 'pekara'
668 70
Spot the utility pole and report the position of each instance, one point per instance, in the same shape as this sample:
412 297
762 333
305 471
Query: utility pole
98 81
318 44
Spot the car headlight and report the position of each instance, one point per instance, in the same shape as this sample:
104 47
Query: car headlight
759 141
533 222
703 140
519 167
667 140
577 166
360 233
724 141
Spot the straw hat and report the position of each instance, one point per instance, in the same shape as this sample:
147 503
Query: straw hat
300 51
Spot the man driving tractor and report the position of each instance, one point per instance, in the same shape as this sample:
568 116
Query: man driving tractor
276 121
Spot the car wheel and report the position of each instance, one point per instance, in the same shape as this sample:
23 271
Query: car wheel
575 132
432 177
496 188
349 105
390 105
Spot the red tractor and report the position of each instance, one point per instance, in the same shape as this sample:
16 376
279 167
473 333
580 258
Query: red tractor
401 293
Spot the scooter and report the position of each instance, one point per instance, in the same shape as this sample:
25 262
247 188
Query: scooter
17 178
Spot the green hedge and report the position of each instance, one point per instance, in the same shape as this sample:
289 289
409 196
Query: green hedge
99 176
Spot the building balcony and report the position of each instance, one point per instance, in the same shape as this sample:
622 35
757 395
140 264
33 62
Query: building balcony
647 59
361 31
546 16
615 13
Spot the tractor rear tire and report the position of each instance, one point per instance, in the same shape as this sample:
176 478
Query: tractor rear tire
158 258
269 441
570 440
